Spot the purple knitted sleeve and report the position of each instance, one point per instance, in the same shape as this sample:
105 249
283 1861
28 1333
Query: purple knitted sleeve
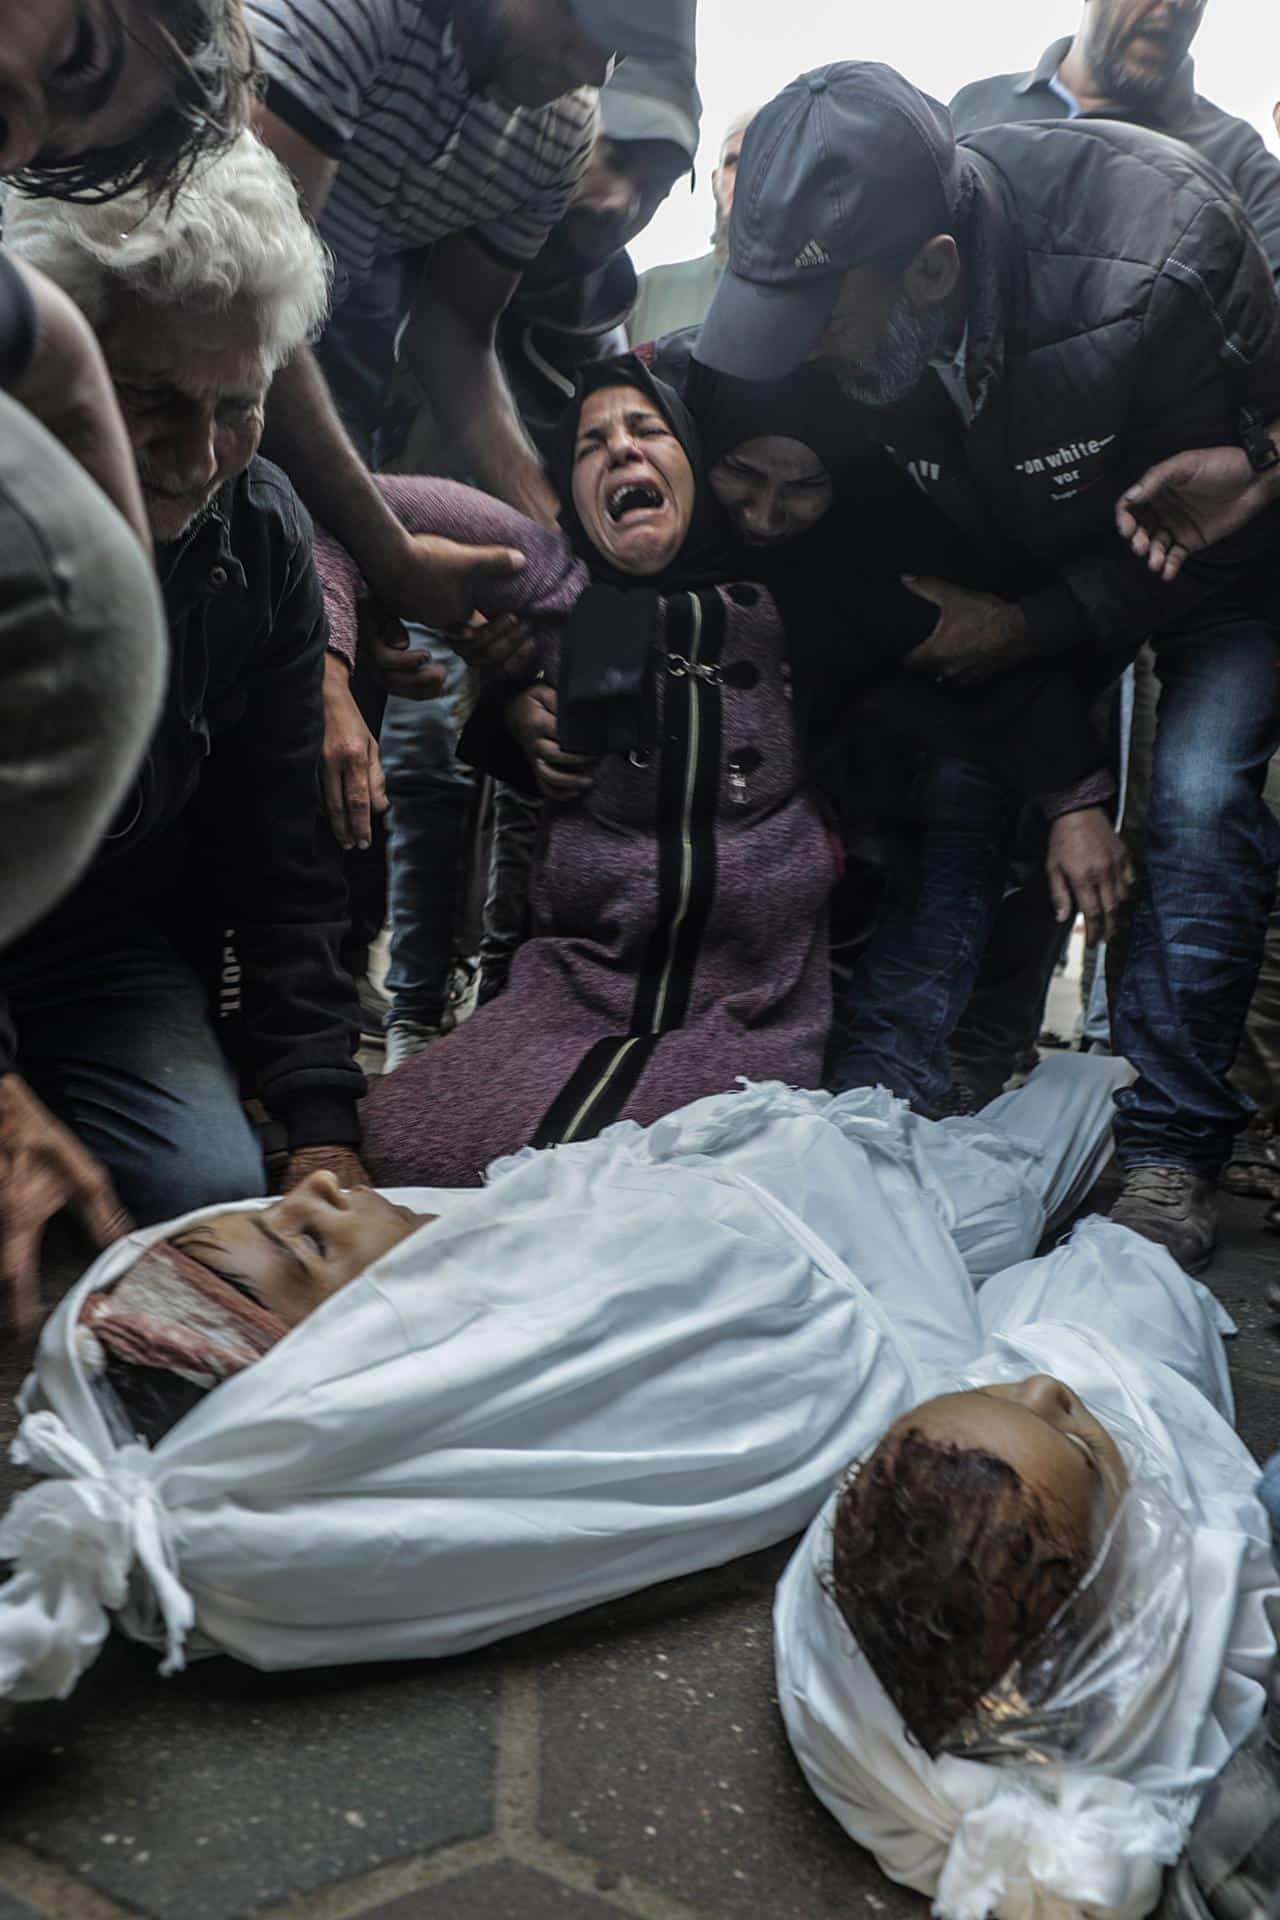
1093 791
550 583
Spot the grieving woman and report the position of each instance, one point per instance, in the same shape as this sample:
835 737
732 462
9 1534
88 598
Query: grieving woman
1031 1626
678 904
403 1425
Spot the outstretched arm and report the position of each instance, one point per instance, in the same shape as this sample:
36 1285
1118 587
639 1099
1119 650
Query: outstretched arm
549 581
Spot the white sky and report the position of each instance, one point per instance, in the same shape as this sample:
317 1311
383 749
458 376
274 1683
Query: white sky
750 49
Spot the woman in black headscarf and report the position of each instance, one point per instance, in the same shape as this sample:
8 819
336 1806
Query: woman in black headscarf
679 901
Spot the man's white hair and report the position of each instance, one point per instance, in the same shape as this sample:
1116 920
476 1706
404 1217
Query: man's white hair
235 227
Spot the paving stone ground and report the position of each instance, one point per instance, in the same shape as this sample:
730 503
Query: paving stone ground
629 1761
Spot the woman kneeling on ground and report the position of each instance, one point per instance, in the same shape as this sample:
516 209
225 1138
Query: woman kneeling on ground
679 931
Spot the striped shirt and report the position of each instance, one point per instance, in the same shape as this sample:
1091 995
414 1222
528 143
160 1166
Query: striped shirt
381 87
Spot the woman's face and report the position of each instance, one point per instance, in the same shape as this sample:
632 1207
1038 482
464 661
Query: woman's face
291 1256
1050 1439
773 489
77 75
632 482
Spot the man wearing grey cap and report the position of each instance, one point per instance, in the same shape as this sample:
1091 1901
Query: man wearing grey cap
1030 320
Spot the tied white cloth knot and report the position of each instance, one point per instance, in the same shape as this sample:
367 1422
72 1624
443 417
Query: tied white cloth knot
1100 1846
74 1541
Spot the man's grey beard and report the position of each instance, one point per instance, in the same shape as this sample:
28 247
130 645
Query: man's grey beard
912 339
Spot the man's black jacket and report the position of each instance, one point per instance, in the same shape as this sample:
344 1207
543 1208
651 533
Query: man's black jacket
1231 145
223 819
1121 310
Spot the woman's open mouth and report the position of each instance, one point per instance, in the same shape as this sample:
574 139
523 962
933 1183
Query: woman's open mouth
633 497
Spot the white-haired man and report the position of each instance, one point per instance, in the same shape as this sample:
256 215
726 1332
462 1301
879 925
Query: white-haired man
112 1076
680 295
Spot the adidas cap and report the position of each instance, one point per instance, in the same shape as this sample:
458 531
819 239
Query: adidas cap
848 164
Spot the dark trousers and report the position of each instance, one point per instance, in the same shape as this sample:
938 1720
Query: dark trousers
1212 853
911 982
115 1036
1209 879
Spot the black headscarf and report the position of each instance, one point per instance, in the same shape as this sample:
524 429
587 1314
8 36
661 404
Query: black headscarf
707 557
609 646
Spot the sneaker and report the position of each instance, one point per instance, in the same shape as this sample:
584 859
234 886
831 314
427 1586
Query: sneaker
1175 1208
1231 1868
406 1039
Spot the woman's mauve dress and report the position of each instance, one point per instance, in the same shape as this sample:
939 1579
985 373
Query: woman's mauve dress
679 930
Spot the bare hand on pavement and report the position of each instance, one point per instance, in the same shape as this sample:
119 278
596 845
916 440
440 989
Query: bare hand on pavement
43 1168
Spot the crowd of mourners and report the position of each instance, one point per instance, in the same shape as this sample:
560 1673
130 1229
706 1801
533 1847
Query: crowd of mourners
725 686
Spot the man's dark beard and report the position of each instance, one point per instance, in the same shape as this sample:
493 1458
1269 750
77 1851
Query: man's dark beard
1129 87
911 341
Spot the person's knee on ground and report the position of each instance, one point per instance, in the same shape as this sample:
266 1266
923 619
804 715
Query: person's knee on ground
218 1163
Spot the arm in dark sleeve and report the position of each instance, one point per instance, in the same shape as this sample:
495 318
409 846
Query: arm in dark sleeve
1211 346
17 323
277 880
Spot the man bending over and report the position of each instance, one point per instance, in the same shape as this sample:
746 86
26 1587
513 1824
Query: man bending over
112 1076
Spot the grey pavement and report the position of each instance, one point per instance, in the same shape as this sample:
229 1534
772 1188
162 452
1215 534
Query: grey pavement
629 1761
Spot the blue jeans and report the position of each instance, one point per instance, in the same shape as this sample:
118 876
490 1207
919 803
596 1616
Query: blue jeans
913 979
114 1035
1209 881
430 794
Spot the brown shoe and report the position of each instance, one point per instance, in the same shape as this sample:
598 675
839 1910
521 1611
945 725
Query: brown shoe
1173 1207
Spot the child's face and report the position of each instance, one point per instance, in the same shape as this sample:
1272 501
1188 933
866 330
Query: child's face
291 1256
1049 1438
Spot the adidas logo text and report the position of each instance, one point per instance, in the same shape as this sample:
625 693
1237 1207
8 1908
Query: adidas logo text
813 255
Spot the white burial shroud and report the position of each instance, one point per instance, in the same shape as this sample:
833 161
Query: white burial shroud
1077 1810
618 1363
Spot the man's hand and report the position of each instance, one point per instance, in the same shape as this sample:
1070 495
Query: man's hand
350 770
1089 870
496 649
531 718
978 634
342 1162
43 1168
1190 502
407 671
434 581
